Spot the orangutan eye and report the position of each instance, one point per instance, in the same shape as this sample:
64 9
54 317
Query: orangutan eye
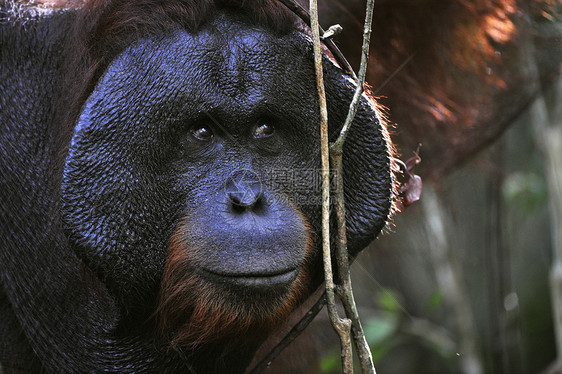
264 130
202 132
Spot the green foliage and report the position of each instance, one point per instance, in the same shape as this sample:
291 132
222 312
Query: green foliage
389 301
331 362
436 300
380 327
525 191
389 328
380 331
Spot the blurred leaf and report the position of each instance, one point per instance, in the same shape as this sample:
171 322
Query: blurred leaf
381 333
331 363
435 337
379 351
436 300
381 327
389 301
525 191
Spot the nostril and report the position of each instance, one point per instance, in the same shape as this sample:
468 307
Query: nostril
241 202
238 209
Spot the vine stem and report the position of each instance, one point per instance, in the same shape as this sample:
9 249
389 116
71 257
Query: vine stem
341 325
336 158
333 154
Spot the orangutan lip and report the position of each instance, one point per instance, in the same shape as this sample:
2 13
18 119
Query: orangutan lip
256 280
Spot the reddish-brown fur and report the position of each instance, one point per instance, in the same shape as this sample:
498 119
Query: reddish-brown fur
435 64
193 311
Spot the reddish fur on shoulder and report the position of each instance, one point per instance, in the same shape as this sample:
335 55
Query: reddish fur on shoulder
193 311
54 4
438 66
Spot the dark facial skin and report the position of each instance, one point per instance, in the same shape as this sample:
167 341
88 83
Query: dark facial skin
187 128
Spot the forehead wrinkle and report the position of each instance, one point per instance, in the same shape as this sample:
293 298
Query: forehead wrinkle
238 75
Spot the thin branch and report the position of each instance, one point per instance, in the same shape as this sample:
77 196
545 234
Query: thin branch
336 157
342 326
294 6
345 290
338 144
398 69
334 153
273 346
